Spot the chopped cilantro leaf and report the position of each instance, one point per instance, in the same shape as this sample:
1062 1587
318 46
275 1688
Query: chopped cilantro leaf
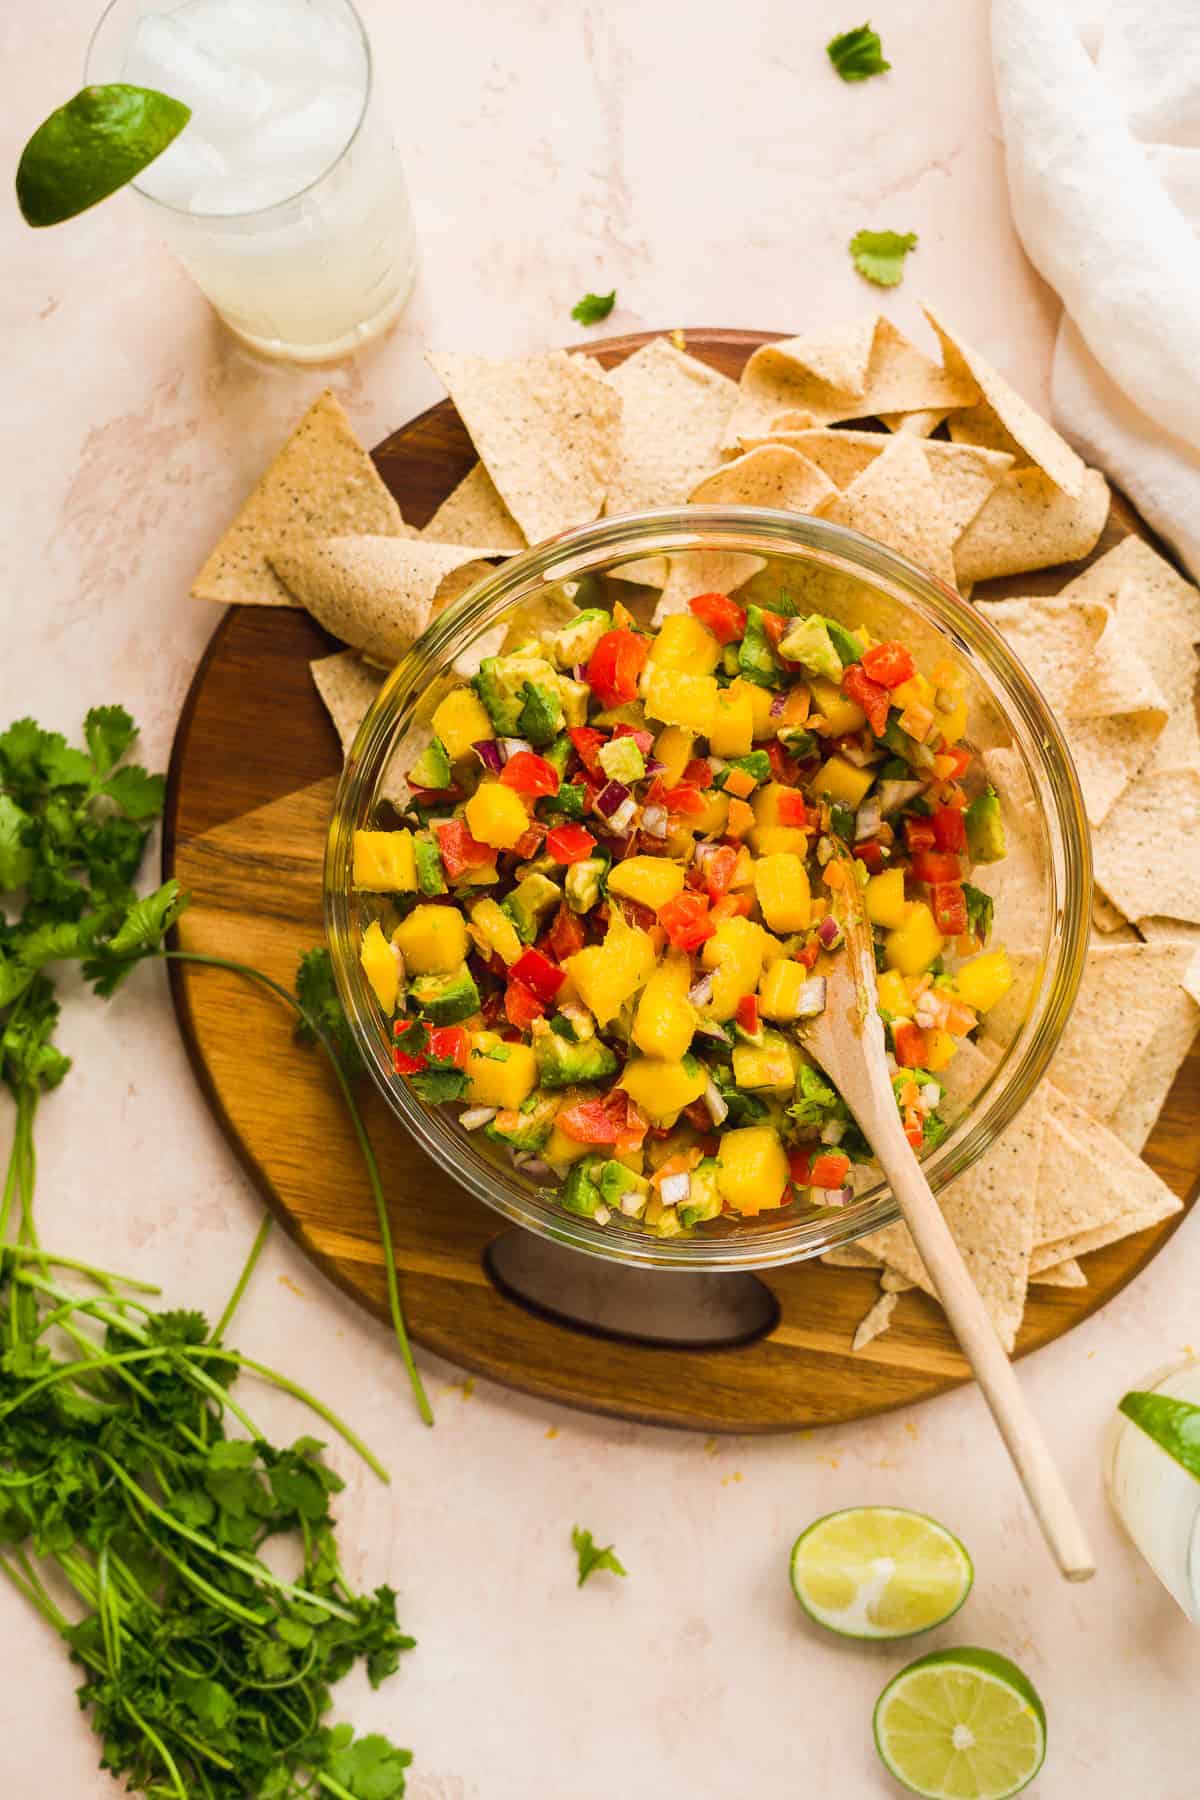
594 307
857 54
439 1085
591 1557
980 907
879 255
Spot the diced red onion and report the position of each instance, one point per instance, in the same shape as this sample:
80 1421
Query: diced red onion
512 746
867 820
654 821
714 1099
833 1131
475 1116
490 755
810 1001
842 1197
701 993
716 763
579 672
777 706
653 766
601 1216
858 754
624 815
928 1097
533 1165
632 1203
829 932
675 1189
611 799
894 794
704 851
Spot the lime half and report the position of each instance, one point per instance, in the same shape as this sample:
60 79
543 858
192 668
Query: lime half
1173 1424
961 1725
92 146
879 1572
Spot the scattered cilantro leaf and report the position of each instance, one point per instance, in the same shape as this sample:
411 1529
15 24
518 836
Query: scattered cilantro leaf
317 993
592 1557
879 255
857 54
109 732
594 307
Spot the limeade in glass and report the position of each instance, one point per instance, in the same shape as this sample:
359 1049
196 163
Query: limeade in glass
283 196
1155 1497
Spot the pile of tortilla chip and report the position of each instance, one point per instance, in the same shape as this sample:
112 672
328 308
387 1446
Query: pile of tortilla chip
965 479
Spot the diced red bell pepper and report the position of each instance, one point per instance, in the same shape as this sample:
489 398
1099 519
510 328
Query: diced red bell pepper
914 1130
809 954
566 935
538 973
643 739
521 1004
404 1064
631 1125
723 616
529 774
948 904
697 1114
783 767
460 851
870 854
698 773
569 843
614 666
717 870
587 741
686 920
800 1167
775 628
949 828
450 1043
731 906
830 1169
909 1045
587 1122
960 757
936 866
746 1014
683 799
791 809
529 842
918 834
870 695
889 664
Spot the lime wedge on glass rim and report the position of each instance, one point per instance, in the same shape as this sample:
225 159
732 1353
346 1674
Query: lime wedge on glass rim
1173 1424
961 1725
879 1572
92 146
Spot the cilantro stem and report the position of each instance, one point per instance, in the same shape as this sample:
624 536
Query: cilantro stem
298 1393
101 1277
364 1144
231 1305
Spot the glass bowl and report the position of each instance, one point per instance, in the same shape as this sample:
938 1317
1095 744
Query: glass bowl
1042 889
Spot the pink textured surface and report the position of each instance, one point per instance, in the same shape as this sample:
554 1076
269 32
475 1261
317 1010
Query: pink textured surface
712 168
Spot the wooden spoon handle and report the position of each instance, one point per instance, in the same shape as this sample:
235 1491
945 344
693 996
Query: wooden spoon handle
1052 1505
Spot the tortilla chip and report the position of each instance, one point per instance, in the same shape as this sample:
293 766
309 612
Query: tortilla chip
1092 1189
1147 852
990 1210
851 1256
348 688
875 1322
979 426
547 428
964 477
644 571
692 572
1053 637
770 476
895 500
1066 1274
1037 440
375 593
916 424
902 379
673 418
321 483
474 513
1122 998
1029 523
1105 916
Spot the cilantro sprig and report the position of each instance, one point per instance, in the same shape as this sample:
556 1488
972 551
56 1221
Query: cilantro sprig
594 307
857 54
592 1556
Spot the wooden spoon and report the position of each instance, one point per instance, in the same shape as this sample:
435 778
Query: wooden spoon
846 1039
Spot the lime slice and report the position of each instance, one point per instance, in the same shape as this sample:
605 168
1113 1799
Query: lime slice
1173 1424
93 145
879 1572
961 1725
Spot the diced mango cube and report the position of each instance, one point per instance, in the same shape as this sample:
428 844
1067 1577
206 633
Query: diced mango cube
673 749
461 720
939 1048
496 815
608 974
494 930
893 995
499 1083
560 1151
752 1170
650 880
885 902
665 1018
735 954
952 724
662 1089
916 943
432 940
384 862
779 840
732 730
840 715
684 643
380 966
916 691
711 822
761 700
680 699
840 781
780 988
784 896
984 980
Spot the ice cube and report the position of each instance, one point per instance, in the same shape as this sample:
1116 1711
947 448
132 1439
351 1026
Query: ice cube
189 163
239 193
226 98
296 48
304 143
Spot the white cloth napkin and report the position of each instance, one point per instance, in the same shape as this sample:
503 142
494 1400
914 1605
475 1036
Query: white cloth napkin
1102 131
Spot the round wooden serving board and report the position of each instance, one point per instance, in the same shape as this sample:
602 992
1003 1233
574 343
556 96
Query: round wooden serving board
252 779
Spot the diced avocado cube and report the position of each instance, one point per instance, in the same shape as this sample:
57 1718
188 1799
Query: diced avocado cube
621 760
558 754
756 659
430 878
501 684
808 643
985 828
573 697
616 1181
583 883
848 647
575 642
704 1197
446 999
529 1128
581 1190
541 714
529 901
756 764
432 767
562 1063
570 801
